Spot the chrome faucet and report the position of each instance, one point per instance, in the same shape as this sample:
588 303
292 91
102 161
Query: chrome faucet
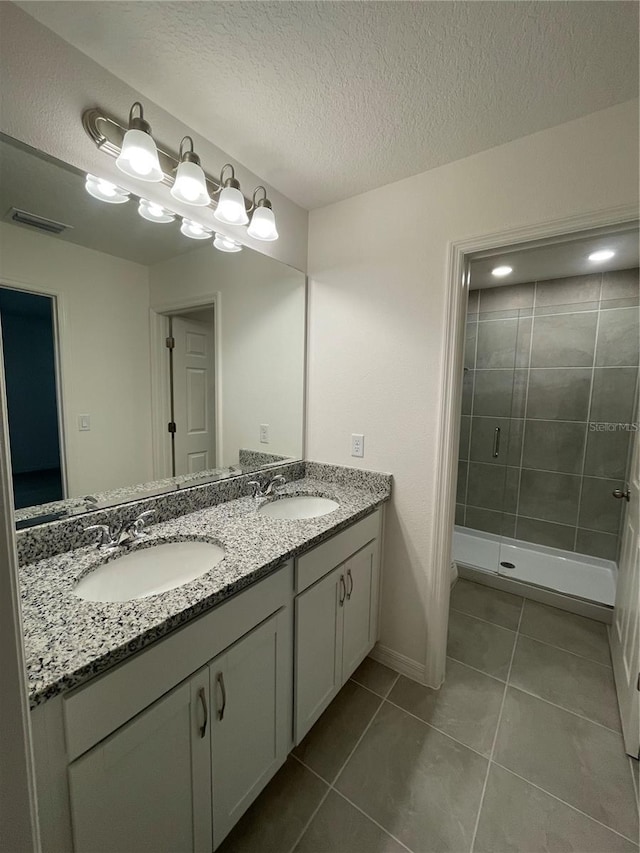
260 491
124 534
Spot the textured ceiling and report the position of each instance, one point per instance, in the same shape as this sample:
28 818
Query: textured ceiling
326 100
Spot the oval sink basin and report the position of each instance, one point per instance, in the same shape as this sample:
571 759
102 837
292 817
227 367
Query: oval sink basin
299 506
148 571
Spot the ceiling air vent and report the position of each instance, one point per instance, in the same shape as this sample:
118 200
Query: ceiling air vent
50 226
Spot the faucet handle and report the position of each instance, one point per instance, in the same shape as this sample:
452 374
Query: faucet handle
277 480
257 488
105 537
140 522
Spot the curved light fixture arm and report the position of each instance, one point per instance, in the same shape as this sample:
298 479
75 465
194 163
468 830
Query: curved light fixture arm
261 202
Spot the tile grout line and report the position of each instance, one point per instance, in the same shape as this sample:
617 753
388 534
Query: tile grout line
524 411
331 784
373 820
495 736
633 779
528 637
562 707
564 802
379 695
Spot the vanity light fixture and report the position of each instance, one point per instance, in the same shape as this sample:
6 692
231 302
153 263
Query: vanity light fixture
263 222
139 155
500 272
231 208
601 255
154 212
190 185
226 244
104 190
194 230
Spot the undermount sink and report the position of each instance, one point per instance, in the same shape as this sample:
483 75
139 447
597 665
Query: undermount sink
148 571
299 506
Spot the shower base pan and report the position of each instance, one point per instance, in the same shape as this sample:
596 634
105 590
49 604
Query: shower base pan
588 578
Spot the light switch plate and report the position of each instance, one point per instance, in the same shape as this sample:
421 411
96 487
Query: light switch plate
84 423
357 445
264 433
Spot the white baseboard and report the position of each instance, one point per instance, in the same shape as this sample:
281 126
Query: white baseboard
400 663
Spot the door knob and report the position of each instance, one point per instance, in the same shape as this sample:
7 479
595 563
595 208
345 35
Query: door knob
619 494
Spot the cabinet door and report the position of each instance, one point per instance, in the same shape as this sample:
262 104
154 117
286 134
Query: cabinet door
148 786
318 667
359 609
251 696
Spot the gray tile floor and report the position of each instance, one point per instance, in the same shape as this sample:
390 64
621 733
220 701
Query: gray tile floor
520 750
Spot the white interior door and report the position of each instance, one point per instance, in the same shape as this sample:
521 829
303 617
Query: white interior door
625 630
193 394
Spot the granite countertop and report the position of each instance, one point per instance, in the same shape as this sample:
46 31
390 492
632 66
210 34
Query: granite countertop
69 640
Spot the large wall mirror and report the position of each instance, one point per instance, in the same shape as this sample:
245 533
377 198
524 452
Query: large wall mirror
137 359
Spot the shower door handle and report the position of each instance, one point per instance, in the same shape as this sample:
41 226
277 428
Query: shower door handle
496 442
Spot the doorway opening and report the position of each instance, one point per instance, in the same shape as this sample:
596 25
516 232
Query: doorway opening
28 327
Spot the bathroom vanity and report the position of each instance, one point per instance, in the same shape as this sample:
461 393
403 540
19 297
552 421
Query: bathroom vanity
157 737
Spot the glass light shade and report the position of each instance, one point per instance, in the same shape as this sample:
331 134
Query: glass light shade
139 156
190 185
154 212
226 244
500 272
105 190
194 230
601 255
231 207
263 224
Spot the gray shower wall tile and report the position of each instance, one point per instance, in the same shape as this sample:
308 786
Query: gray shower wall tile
545 533
461 485
468 380
491 521
613 394
511 297
556 394
549 496
465 434
492 486
618 333
599 510
471 332
607 452
496 343
500 393
554 446
574 290
564 340
472 304
596 544
508 444
620 285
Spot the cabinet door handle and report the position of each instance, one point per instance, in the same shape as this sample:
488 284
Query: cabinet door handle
220 681
350 589
343 590
203 699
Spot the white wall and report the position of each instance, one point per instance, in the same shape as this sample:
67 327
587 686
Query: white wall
377 298
262 316
104 344
46 86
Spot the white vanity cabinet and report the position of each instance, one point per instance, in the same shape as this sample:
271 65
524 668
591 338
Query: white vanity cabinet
336 612
147 787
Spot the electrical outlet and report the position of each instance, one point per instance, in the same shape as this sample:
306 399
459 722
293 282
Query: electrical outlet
357 445
264 433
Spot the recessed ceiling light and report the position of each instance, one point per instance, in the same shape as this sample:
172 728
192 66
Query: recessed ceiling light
601 255
499 272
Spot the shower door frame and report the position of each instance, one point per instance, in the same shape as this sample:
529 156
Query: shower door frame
458 256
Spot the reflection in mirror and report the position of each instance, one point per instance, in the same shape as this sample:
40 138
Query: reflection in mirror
137 360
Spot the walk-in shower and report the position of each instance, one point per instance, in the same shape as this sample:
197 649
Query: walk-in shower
549 407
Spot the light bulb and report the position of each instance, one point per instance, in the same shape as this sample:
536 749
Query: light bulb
226 244
105 191
601 255
263 223
154 212
194 230
500 272
139 156
190 185
231 209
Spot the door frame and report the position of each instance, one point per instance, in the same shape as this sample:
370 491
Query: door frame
448 432
160 395
61 355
